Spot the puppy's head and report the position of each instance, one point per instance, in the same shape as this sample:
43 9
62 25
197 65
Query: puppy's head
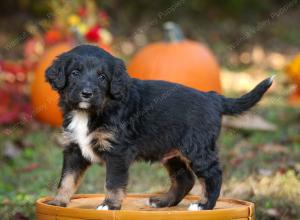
87 76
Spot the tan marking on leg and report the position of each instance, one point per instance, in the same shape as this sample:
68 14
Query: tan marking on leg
115 196
203 195
103 138
68 187
174 184
66 138
169 155
175 153
178 189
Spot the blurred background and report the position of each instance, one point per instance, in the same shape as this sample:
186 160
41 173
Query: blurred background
225 46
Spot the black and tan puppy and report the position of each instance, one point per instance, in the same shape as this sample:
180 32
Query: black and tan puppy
112 118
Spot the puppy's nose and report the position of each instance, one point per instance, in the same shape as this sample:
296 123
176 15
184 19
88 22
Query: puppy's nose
86 93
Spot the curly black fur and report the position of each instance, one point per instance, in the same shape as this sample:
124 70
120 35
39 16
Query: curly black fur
131 119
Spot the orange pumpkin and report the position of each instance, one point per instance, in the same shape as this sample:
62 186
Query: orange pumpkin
45 100
177 60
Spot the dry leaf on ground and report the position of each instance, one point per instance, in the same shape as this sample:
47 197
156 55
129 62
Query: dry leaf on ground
249 121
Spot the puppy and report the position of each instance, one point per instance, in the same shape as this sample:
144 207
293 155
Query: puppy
114 119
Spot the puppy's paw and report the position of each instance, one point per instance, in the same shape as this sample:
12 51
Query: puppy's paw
159 201
56 203
197 207
102 207
106 205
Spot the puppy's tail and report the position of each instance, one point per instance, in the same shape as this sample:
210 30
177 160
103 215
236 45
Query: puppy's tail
237 106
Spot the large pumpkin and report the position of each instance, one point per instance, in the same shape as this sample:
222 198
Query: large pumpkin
45 100
177 60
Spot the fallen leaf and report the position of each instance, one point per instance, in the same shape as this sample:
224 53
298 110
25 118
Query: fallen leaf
265 172
249 121
272 212
274 148
30 167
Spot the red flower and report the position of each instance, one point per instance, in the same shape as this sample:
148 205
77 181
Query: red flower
93 34
52 36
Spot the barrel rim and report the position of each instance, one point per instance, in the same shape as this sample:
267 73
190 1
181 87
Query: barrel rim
246 209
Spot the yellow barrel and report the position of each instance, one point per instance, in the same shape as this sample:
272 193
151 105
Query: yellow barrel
83 206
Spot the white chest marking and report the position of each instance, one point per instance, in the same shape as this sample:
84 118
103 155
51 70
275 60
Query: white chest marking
78 129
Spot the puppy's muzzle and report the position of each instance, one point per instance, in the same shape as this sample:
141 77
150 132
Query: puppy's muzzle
86 94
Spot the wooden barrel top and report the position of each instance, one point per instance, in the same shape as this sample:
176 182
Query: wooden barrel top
83 206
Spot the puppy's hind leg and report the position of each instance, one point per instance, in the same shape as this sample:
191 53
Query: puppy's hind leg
182 180
211 179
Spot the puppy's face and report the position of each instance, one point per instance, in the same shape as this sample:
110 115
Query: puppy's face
86 77
87 82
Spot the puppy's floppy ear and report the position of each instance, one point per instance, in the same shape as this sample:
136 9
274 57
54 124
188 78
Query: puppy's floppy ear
119 81
55 74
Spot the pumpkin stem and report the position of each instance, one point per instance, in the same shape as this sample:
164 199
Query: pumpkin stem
173 32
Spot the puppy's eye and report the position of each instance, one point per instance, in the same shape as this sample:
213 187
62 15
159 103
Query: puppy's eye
75 73
101 76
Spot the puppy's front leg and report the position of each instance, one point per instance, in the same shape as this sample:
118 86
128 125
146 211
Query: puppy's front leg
116 183
74 166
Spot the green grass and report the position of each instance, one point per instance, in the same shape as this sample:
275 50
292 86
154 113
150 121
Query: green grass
280 191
